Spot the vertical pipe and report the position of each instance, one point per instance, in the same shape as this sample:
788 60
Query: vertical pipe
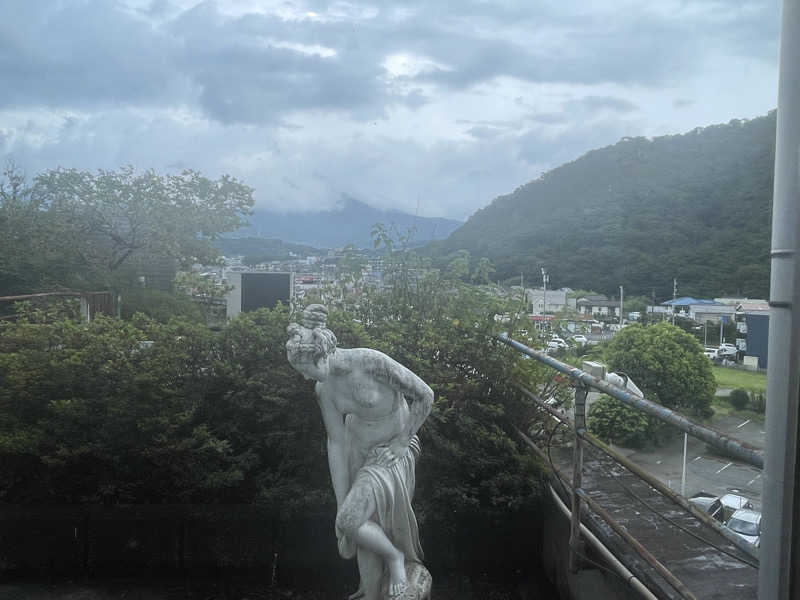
780 552
683 471
577 475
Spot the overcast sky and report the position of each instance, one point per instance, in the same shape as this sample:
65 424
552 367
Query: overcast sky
434 106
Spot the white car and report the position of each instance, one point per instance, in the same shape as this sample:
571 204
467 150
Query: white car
557 340
727 351
711 353
553 346
733 502
579 339
747 525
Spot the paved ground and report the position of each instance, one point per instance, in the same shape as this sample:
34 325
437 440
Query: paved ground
706 471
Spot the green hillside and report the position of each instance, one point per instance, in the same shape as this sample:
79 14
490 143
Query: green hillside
695 206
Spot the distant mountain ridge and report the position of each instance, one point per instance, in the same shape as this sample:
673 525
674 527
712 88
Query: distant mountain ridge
696 207
351 223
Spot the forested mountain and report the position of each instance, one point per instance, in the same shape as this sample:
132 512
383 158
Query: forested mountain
696 207
264 249
350 223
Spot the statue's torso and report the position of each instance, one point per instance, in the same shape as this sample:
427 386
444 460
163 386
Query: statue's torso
375 412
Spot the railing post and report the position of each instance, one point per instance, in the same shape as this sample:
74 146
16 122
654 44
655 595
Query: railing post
577 476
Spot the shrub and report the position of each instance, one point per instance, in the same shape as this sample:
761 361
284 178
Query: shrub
613 421
759 403
739 399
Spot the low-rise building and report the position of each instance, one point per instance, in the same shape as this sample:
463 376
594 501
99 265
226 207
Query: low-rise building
597 306
556 300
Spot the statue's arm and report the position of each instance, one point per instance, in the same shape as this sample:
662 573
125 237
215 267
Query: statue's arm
337 448
417 392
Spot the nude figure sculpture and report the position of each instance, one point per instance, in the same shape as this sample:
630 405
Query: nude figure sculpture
372 408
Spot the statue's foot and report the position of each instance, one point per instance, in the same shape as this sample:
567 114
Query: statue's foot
397 591
416 586
397 576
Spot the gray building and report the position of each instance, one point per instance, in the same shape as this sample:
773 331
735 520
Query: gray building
556 300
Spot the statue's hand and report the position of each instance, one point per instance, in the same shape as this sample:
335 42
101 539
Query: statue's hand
396 450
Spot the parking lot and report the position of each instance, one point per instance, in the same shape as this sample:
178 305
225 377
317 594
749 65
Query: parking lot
706 471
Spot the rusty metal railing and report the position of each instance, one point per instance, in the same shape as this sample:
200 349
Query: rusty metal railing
583 382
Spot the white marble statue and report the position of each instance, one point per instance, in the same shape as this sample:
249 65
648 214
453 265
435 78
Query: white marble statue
372 408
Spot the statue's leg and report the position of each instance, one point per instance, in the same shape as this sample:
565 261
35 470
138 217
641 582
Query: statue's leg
370 569
353 519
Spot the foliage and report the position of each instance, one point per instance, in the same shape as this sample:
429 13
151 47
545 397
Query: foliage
139 410
484 269
609 217
739 399
666 363
614 422
159 305
78 229
474 476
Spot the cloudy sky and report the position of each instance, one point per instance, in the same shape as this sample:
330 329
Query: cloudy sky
430 106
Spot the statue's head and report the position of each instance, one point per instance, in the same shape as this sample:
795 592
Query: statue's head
311 343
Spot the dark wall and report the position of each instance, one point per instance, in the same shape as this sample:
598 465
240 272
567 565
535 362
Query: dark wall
148 539
758 338
265 290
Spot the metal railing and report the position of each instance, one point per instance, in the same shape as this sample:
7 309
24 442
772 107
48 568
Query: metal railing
583 382
717 439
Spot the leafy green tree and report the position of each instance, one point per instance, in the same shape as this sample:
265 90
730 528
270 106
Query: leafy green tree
96 224
636 304
483 271
614 422
458 267
666 363
739 399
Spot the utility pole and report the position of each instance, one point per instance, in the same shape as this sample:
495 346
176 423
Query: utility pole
545 279
620 304
779 575
652 310
674 297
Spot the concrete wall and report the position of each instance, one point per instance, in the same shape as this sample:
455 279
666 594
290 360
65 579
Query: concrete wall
591 582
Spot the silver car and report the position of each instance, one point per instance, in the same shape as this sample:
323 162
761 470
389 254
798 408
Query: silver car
746 524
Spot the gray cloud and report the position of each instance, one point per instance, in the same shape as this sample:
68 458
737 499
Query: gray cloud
600 103
305 110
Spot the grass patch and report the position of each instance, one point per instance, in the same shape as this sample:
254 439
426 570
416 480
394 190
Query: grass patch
752 381
723 408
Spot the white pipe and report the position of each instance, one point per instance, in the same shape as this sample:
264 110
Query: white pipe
623 571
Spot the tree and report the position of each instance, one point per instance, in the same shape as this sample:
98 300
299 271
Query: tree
666 363
614 422
458 268
100 222
29 258
739 399
483 271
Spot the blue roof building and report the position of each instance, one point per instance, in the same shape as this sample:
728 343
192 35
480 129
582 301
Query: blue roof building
689 301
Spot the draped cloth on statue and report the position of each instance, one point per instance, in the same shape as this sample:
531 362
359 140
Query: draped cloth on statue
393 490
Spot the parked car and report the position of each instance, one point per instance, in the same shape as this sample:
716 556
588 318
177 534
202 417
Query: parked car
711 352
552 347
709 504
579 339
733 502
746 524
727 350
